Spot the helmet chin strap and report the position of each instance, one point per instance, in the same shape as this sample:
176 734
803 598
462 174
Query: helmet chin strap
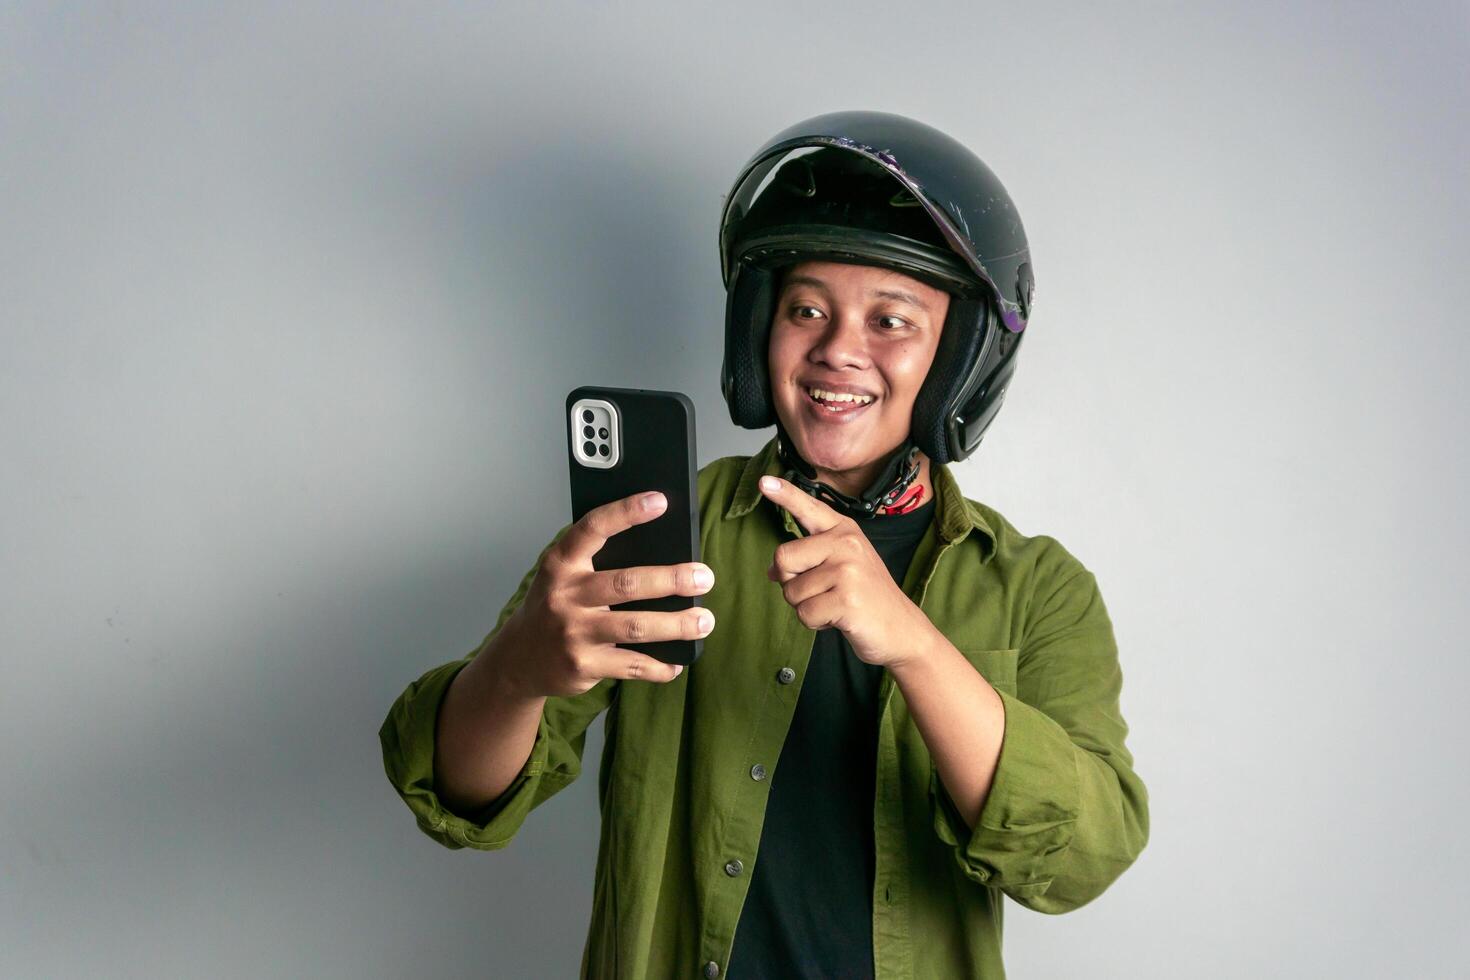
886 494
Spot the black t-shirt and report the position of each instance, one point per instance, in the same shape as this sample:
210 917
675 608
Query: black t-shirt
809 911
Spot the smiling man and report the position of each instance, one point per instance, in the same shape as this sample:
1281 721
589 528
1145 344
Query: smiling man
850 347
906 709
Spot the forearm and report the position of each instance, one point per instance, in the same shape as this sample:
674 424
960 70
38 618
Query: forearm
960 718
484 734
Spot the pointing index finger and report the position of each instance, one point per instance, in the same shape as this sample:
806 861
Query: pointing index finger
814 515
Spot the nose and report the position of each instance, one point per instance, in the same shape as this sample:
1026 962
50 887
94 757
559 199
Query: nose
842 344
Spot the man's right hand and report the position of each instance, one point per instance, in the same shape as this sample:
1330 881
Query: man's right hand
563 638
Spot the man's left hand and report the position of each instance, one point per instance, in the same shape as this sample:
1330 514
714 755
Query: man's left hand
833 578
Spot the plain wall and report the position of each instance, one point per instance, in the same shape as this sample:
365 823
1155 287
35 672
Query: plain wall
290 296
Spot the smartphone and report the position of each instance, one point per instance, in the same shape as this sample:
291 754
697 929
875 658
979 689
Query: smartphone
622 441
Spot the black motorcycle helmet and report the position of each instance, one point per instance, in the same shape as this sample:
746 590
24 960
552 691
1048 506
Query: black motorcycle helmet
880 189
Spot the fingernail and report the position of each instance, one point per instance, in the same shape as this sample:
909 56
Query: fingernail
706 623
770 483
678 669
653 501
703 577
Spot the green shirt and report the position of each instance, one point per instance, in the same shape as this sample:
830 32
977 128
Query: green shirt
682 804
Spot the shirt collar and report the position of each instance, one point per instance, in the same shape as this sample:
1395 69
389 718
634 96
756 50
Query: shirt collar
955 516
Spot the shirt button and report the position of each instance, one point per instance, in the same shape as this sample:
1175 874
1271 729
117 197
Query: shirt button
786 675
757 772
733 868
711 969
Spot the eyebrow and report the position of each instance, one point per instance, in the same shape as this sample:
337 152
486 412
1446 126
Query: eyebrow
902 296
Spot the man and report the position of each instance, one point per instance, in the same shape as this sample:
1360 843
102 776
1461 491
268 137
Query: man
905 708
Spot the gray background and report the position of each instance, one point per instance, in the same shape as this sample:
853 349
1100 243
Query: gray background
289 299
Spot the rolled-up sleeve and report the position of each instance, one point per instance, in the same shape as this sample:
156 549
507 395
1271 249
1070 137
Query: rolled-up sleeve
1066 813
407 737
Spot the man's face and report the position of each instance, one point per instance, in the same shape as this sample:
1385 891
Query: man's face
866 335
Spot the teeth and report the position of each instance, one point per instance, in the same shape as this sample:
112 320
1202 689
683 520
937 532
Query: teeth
823 395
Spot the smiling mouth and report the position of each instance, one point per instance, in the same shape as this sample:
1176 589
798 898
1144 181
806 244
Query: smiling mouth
835 402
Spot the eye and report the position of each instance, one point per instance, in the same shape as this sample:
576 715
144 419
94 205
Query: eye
889 322
799 312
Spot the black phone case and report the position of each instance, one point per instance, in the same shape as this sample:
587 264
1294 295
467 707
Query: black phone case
658 453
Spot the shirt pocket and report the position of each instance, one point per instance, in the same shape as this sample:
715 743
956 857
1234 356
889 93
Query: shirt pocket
998 667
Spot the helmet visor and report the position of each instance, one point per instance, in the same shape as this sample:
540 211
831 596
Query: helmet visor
829 202
966 203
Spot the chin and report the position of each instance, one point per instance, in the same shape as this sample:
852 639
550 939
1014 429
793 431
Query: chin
836 452
835 458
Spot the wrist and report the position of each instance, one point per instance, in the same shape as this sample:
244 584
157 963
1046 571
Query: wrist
497 664
922 654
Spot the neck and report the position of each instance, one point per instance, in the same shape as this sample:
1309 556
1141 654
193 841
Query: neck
853 483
